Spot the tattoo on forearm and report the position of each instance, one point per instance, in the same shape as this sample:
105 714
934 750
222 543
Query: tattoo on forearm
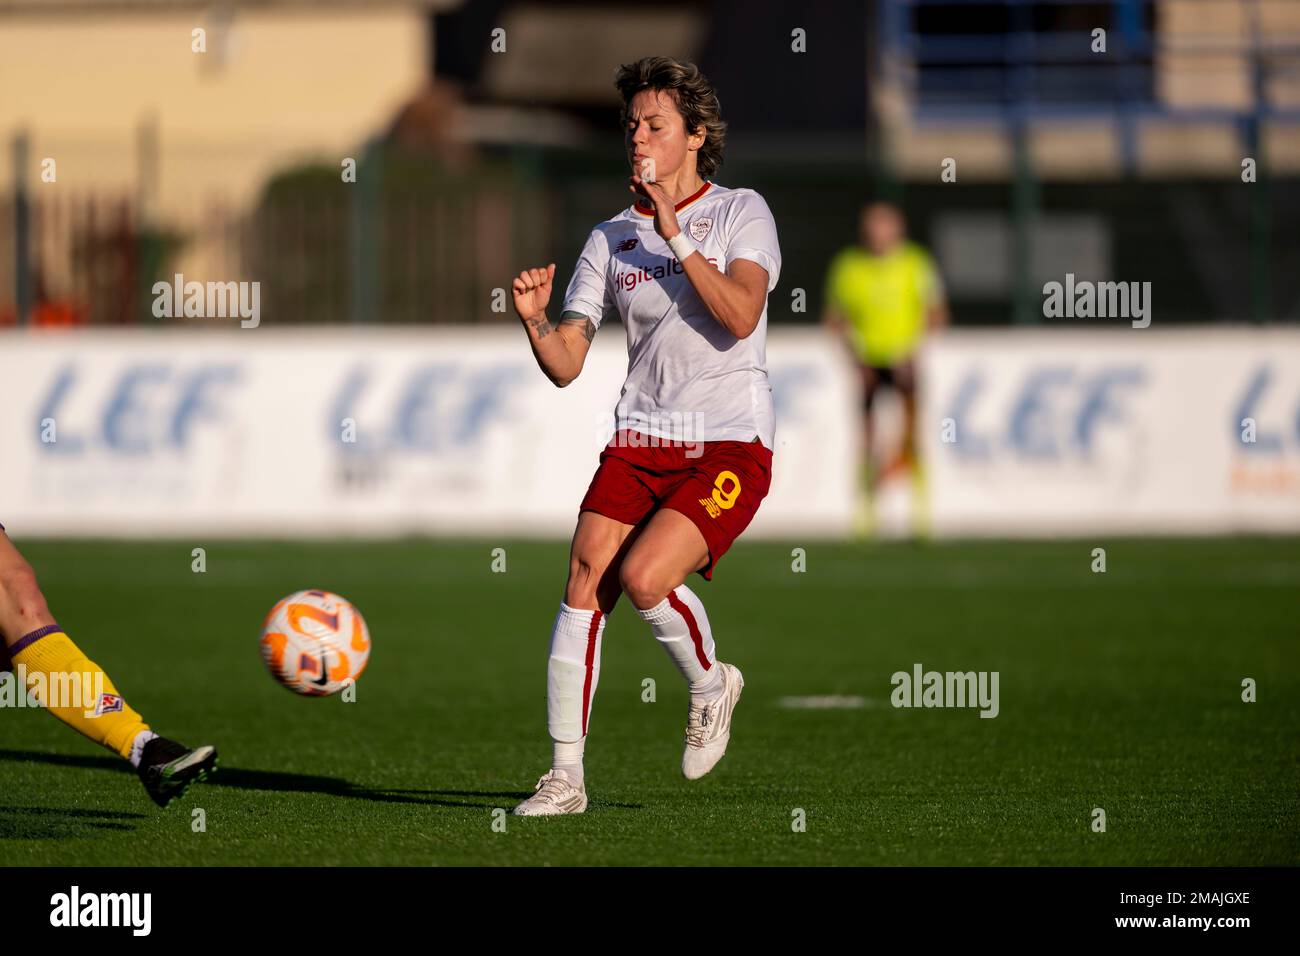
540 325
588 327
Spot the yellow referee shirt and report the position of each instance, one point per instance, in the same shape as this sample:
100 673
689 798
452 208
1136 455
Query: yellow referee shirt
884 299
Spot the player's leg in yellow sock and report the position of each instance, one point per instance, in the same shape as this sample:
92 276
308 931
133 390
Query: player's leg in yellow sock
75 689
55 671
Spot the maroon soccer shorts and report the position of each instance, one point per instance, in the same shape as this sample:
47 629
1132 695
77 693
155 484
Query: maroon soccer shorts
717 484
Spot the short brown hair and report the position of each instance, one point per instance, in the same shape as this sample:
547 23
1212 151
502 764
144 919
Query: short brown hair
693 94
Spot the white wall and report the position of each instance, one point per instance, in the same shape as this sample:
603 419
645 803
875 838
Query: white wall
238 432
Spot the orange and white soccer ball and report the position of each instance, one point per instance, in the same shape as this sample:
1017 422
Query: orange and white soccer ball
315 643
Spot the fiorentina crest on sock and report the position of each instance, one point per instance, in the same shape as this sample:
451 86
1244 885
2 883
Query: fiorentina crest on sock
315 643
108 704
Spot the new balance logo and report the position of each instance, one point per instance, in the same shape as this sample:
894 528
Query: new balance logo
627 245
711 507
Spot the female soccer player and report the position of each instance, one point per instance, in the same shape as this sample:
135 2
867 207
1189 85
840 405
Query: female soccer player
687 268
46 662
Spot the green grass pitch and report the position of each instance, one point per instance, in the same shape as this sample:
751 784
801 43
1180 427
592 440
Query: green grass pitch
1119 690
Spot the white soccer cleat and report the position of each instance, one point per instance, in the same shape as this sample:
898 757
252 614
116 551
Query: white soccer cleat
555 795
708 725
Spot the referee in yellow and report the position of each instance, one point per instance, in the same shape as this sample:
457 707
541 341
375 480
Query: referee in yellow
882 295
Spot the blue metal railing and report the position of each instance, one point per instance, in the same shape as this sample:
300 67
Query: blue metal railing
1025 71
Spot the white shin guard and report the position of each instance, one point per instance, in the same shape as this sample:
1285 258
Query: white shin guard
573 672
681 626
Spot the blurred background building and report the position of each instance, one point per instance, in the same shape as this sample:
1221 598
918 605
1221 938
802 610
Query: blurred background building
228 161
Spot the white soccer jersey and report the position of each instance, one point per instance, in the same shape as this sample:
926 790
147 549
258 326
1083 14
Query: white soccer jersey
688 378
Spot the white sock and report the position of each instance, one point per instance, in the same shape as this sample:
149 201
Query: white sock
572 674
137 746
681 626
568 757
710 686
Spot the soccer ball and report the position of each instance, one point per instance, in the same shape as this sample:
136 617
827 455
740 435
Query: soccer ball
315 643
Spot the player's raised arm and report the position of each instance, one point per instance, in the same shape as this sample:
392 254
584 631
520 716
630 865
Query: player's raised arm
560 349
